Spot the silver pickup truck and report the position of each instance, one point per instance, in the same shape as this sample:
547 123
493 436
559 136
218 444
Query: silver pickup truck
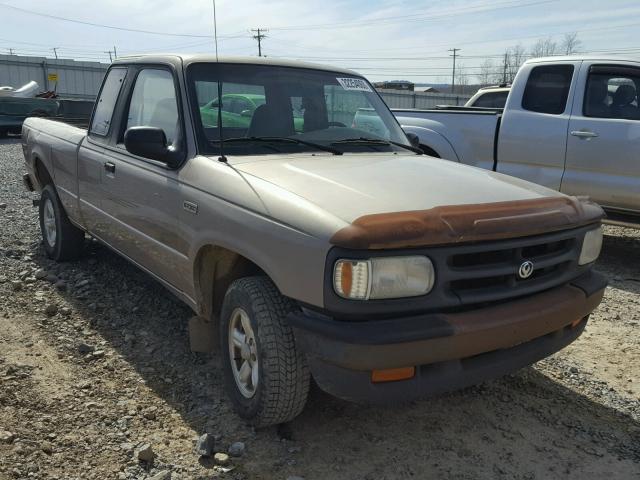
308 247
570 123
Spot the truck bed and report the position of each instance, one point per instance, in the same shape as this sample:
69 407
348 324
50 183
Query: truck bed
472 130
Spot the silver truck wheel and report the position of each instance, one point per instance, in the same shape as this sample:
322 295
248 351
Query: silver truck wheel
49 221
62 240
266 375
243 353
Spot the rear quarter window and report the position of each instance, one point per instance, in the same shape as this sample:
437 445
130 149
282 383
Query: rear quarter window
101 122
547 89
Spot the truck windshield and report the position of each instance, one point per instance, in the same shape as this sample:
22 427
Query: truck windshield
263 105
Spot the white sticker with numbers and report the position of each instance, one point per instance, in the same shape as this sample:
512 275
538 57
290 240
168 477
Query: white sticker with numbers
354 84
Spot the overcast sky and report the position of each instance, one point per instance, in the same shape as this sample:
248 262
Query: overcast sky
381 39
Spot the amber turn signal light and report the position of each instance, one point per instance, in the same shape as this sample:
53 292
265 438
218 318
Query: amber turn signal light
392 374
577 322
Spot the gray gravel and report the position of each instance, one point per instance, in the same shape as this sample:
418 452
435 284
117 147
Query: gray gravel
92 372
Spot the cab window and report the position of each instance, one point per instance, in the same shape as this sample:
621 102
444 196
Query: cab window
547 89
612 94
153 103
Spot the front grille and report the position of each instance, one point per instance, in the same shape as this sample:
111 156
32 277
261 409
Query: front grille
471 275
489 271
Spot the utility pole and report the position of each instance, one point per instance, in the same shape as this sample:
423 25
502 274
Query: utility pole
115 54
110 57
504 69
11 51
55 51
259 36
453 74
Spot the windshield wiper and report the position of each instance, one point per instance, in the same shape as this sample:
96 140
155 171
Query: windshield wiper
317 146
376 141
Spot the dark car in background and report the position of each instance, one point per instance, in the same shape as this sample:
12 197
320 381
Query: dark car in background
14 110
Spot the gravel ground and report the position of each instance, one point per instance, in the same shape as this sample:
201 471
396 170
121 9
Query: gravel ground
97 382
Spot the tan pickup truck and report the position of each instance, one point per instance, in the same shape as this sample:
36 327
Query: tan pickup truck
309 247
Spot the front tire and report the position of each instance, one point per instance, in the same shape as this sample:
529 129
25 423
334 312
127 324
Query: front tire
266 376
62 240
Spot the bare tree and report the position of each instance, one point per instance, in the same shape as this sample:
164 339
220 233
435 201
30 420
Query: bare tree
462 79
544 47
487 72
514 58
570 43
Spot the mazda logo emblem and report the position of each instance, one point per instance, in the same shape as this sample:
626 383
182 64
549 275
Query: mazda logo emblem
526 269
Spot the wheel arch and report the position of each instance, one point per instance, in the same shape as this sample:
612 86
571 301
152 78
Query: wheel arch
432 142
215 268
41 172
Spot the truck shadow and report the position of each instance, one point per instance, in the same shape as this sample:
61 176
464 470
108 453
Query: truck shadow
499 427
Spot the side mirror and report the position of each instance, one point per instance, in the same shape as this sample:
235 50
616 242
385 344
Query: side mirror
147 142
413 139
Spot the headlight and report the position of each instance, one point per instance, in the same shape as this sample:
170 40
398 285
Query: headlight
383 277
591 246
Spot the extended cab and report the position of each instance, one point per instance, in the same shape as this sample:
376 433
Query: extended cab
321 250
570 123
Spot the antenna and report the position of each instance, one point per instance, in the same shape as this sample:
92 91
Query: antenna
215 28
221 158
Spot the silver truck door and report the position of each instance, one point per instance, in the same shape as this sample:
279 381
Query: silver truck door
532 138
141 196
90 153
603 145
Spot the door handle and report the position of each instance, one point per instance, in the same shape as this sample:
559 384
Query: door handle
584 134
110 167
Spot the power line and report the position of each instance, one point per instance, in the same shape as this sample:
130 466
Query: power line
473 43
416 17
453 74
100 25
259 36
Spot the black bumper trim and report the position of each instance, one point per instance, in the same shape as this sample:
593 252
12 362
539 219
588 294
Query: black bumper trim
375 332
437 378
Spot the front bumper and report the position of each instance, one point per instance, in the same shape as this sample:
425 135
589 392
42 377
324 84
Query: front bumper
449 350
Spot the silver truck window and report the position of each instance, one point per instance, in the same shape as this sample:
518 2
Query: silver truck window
153 102
612 95
101 123
492 100
547 89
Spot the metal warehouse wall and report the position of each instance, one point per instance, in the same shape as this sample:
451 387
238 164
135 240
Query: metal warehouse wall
75 79
399 99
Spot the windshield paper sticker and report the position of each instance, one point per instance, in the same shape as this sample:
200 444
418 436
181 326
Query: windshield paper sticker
354 84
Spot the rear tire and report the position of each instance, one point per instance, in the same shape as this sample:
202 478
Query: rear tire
62 240
273 386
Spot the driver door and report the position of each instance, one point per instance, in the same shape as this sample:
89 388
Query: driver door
142 196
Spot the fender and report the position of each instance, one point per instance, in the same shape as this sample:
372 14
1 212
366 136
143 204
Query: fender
434 140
